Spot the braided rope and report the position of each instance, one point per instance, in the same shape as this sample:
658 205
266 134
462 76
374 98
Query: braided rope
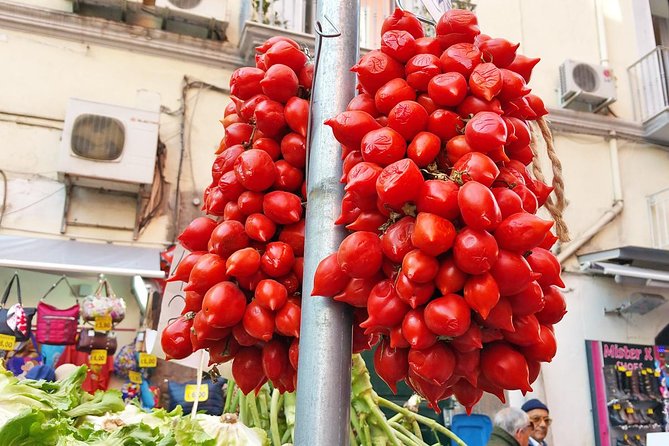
555 207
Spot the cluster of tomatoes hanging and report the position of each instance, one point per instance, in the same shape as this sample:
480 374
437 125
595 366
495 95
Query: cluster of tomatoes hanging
447 266
244 269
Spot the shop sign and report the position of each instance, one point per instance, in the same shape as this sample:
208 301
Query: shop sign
629 356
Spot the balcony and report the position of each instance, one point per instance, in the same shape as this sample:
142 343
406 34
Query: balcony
658 213
648 78
295 19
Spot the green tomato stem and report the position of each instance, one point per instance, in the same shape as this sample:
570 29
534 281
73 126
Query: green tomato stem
228 396
251 400
264 410
368 434
243 412
354 421
407 437
380 419
432 424
274 418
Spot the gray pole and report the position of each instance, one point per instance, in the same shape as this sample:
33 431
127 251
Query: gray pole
324 372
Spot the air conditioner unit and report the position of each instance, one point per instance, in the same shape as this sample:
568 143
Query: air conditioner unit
585 86
108 146
211 9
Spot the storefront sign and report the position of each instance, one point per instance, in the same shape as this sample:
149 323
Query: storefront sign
103 323
147 360
629 356
7 342
190 393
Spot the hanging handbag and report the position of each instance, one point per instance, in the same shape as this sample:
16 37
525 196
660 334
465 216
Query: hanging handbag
90 339
103 303
56 326
16 320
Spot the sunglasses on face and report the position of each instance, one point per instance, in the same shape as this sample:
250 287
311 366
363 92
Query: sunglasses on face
537 420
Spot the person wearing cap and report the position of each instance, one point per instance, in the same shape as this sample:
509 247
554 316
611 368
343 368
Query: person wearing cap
512 428
538 413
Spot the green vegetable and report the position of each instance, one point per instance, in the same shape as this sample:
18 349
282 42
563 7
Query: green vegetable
102 402
209 430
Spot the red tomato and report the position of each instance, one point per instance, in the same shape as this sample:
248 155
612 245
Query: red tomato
455 26
399 183
242 337
461 58
293 235
259 227
427 103
247 369
354 157
505 367
223 305
526 331
385 308
277 260
449 278
391 364
474 251
456 148
244 262
207 271
294 149
408 118
428 45
282 208
529 200
288 177
329 279
383 146
545 349
249 203
360 254
478 167
499 51
230 109
396 241
508 201
196 235
350 127
193 302
467 394
424 148
529 301
296 113
420 69
555 306
478 206
391 93
224 162
403 20
245 82
237 133
368 221
285 53
433 235
267 44
275 359
356 291
175 338
306 76
448 315
183 269
223 351
280 83
486 81
228 237
268 145
545 263
486 131
258 321
445 124
513 86
470 341
413 293
419 267
434 364
270 118
287 319
398 44
270 294
500 316
440 198
523 65
471 105
521 232
447 89
255 170
415 330
375 69
482 293
362 179
363 102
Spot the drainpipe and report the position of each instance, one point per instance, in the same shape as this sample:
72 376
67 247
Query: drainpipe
608 216
617 206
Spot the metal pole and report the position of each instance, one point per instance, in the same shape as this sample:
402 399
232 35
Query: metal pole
324 372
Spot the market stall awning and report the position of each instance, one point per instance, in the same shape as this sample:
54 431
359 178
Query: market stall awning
69 256
630 264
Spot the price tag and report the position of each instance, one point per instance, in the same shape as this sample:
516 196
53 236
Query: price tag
629 410
190 393
643 372
147 360
98 357
628 373
621 368
616 406
135 377
650 411
657 373
649 370
7 342
103 323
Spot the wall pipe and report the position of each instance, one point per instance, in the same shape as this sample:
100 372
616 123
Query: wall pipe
324 372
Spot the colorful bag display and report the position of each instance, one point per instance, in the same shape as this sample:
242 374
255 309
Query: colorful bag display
16 320
90 339
103 303
54 325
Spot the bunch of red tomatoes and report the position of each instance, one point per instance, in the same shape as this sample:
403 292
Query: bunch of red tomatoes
244 269
447 266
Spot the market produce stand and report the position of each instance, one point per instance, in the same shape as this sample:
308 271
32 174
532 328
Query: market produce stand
324 372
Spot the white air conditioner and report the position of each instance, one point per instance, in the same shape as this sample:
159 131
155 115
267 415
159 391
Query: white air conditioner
584 84
108 146
211 9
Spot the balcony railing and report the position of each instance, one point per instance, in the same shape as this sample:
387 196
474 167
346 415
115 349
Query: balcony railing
658 213
297 16
648 78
